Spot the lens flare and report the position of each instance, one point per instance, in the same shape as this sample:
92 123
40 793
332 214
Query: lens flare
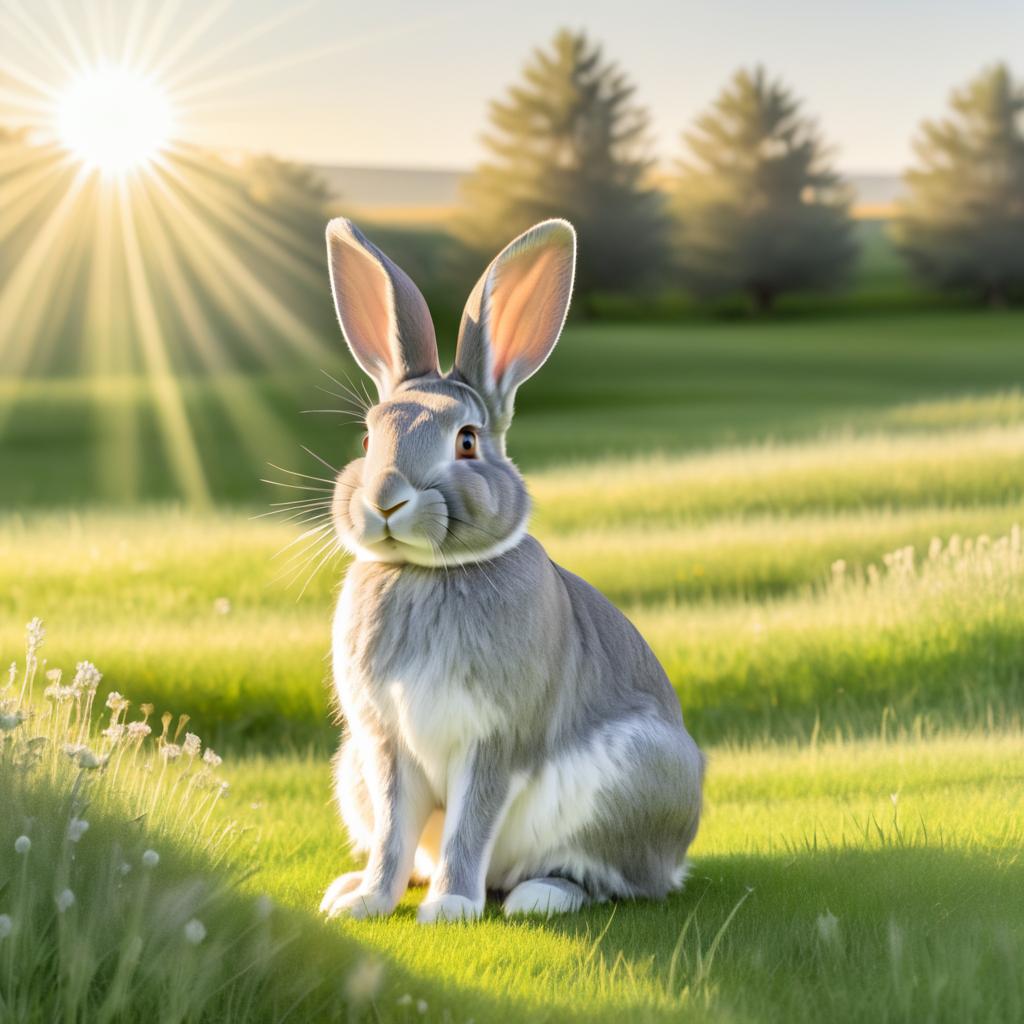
114 119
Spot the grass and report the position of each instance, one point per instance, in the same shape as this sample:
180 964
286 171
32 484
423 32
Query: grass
608 390
924 891
120 874
859 858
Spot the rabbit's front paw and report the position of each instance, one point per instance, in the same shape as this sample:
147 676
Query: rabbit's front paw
360 904
449 908
339 887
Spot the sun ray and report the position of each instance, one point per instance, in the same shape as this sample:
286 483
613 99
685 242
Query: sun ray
163 64
135 270
283 319
179 442
59 19
216 56
23 297
41 43
226 207
256 426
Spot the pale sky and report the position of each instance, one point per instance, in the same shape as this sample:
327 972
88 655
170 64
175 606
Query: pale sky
407 84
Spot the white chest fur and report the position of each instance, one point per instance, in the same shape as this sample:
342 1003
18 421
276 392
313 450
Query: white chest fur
423 700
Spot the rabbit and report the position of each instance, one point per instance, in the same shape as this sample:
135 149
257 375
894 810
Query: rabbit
507 729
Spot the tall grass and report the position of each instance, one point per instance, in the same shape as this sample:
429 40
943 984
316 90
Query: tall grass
119 872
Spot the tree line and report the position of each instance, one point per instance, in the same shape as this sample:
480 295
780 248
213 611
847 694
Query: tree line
755 205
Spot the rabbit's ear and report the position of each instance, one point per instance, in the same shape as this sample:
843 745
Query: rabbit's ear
383 316
515 314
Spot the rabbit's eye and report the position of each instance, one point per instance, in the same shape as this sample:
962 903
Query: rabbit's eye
465 444
366 442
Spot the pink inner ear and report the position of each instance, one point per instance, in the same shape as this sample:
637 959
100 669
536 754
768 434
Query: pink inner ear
527 305
364 303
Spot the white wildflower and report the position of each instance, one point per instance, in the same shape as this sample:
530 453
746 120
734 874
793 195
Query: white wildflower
87 676
365 980
72 750
192 745
405 1000
87 759
195 931
211 758
22 844
170 751
222 606
125 868
35 634
421 1007
65 899
114 733
150 858
116 702
828 928
6 926
138 730
77 828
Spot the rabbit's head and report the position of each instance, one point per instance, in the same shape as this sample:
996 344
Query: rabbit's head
435 486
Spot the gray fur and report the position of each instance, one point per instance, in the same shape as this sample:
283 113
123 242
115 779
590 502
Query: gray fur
476 676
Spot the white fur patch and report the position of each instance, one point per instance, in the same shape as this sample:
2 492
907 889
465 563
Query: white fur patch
448 908
539 897
561 799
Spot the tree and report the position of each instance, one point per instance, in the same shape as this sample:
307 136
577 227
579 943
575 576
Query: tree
570 141
760 209
962 223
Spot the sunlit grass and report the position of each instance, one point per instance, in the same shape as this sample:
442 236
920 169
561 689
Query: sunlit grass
894 861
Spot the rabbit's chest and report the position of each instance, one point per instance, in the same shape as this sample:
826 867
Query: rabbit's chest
423 676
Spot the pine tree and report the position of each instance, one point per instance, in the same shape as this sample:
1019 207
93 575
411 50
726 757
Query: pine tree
570 141
760 209
962 224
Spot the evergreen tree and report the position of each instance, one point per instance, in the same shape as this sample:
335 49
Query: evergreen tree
962 224
760 209
570 141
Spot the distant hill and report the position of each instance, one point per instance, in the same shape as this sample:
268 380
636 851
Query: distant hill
395 193
392 186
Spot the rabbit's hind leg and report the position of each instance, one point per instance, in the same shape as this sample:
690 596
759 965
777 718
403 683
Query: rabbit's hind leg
352 795
353 799
545 896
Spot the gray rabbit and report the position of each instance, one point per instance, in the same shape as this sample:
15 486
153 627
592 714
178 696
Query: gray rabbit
507 728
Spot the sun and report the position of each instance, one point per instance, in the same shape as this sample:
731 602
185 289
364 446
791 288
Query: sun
114 119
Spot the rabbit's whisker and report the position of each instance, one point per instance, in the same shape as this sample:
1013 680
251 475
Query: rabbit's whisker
311 532
288 514
298 564
295 487
320 459
362 401
331 552
305 476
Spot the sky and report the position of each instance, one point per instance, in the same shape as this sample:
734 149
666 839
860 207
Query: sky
407 84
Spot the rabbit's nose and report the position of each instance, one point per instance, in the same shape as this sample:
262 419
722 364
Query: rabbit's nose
387 512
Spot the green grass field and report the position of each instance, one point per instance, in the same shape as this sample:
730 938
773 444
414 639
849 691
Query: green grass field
860 856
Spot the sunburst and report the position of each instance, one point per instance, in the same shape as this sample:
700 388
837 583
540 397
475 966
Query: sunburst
137 253
114 118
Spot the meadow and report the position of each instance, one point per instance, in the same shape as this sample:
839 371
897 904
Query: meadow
747 493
